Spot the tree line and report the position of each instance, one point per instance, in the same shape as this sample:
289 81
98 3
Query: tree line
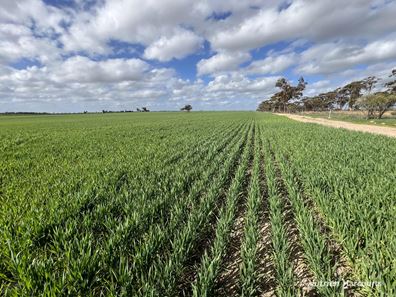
356 95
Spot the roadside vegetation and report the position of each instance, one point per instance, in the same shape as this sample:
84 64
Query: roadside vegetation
357 117
367 100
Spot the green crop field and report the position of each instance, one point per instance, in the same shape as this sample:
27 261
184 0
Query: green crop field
194 204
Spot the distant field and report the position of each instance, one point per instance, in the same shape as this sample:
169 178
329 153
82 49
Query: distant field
355 117
194 204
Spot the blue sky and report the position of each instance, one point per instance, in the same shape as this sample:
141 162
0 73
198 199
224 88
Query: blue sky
74 55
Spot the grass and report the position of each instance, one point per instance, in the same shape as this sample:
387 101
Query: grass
355 117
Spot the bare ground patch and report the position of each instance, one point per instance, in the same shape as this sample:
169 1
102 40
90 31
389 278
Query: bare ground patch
266 269
387 131
342 268
300 266
227 283
204 242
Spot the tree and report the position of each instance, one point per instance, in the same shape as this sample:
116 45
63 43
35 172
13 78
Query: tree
138 109
391 85
144 109
288 92
320 102
376 104
369 83
298 90
187 108
266 105
351 92
285 94
282 99
276 101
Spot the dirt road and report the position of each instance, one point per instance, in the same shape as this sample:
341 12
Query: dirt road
387 131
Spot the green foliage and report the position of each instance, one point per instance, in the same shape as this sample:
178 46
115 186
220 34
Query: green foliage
281 248
212 260
376 104
350 180
249 248
119 204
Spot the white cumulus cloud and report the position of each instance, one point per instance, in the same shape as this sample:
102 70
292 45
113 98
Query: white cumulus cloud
179 45
338 56
272 64
222 62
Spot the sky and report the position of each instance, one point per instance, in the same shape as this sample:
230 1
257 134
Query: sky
75 55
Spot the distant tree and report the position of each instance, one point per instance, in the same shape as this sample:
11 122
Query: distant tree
288 92
321 102
376 104
266 105
277 102
294 107
138 109
144 109
352 91
187 108
341 98
330 99
286 98
369 83
391 85
285 94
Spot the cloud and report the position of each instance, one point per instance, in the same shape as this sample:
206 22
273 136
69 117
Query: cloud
318 87
126 20
145 22
104 54
272 64
96 90
316 20
83 70
238 84
334 57
17 41
179 45
221 62
45 19
62 80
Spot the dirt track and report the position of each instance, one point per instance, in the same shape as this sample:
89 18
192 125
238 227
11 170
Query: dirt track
387 131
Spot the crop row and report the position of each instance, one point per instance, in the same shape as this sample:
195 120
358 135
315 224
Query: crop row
250 245
349 181
210 264
57 245
149 205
